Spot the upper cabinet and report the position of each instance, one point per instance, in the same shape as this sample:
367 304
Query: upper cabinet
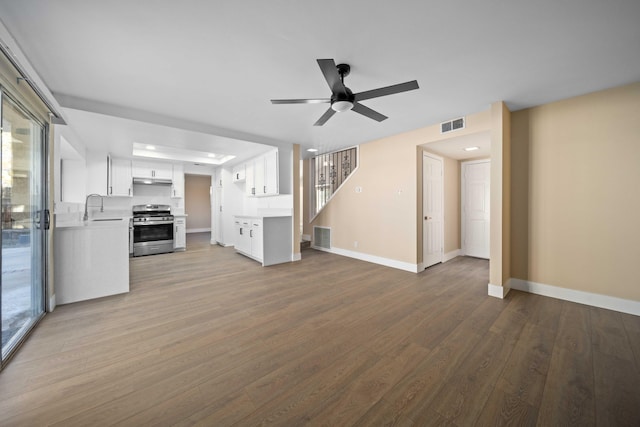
177 186
261 175
239 173
152 170
108 176
119 178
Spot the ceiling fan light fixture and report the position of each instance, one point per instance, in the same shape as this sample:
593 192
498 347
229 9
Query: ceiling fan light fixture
340 106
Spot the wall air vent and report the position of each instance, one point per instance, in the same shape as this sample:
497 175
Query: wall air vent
321 237
452 125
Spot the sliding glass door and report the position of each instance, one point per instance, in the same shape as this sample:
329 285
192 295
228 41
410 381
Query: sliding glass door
24 220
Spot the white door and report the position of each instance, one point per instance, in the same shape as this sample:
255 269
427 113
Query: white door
475 208
432 210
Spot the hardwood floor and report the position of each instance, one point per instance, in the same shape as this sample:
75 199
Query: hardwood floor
208 337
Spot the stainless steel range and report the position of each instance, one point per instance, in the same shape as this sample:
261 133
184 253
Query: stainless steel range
152 229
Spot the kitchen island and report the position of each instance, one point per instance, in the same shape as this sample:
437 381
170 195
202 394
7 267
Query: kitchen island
264 238
91 259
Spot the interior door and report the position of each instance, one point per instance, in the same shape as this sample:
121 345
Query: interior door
24 223
432 210
475 208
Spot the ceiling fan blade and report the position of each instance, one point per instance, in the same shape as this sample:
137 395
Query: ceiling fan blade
368 112
301 101
326 116
389 90
331 75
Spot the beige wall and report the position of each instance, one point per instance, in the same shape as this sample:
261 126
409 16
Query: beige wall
197 204
500 217
384 218
575 197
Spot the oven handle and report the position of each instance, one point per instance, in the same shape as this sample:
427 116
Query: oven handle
136 224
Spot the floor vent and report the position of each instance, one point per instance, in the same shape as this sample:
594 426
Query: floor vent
452 125
322 237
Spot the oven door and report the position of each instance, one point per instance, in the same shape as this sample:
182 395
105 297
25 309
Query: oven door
152 237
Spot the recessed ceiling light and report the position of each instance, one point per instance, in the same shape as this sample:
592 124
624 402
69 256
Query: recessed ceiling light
312 150
211 155
471 148
150 147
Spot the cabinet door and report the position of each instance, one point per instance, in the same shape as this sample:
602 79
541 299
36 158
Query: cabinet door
180 236
258 176
256 239
177 188
120 178
142 170
163 171
271 173
249 183
239 173
243 236
217 215
97 173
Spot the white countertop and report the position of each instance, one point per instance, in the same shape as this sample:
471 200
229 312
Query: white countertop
93 223
263 216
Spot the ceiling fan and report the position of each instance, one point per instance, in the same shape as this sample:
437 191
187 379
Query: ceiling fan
342 99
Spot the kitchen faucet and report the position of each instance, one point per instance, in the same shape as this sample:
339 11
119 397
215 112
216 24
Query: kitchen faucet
86 205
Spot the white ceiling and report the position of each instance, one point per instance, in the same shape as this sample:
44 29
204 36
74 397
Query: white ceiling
212 67
454 148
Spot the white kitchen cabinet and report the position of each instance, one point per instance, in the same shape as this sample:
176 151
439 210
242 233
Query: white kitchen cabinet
152 170
92 260
108 176
249 187
242 241
261 175
239 173
179 233
119 177
271 173
266 239
177 186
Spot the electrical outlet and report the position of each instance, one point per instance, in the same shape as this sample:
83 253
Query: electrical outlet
358 189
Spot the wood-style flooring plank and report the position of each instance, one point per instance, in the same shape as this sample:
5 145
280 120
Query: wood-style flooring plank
209 337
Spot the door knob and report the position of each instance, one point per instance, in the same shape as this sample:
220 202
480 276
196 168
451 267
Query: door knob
427 217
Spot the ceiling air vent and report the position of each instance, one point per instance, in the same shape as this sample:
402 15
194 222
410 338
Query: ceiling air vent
452 125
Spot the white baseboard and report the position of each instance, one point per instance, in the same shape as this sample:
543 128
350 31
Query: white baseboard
296 257
388 262
197 230
451 255
52 303
498 291
581 297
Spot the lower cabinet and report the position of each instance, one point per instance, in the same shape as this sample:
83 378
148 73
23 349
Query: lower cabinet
265 239
179 233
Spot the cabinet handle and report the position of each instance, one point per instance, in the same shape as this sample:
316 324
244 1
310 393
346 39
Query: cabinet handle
253 190
110 190
264 189
250 233
129 190
241 231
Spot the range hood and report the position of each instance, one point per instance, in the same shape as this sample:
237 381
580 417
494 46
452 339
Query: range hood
152 181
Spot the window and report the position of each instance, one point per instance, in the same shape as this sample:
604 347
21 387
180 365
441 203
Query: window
328 173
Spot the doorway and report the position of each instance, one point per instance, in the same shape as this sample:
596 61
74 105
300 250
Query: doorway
432 209
475 203
25 220
197 202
